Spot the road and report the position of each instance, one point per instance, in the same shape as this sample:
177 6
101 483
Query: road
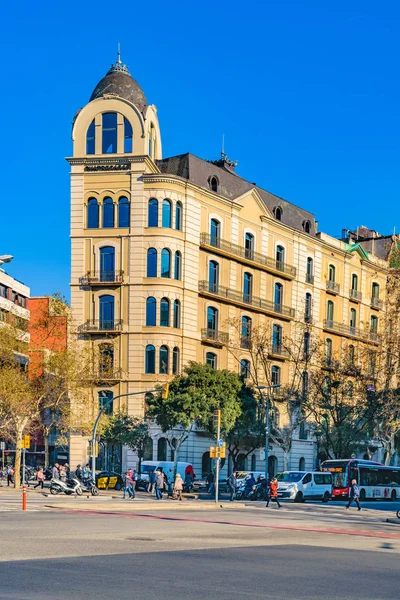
109 549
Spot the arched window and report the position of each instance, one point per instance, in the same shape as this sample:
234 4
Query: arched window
106 312
275 375
247 287
107 264
375 290
164 360
329 312
150 366
123 212
353 318
302 464
104 400
254 462
306 345
304 384
151 262
164 312
332 273
278 297
152 217
91 138
92 213
106 360
276 339
151 310
245 368
177 314
162 449
108 212
374 324
212 320
246 329
178 266
310 270
165 263
148 448
214 184
215 232
206 465
178 216
308 308
213 276
128 136
328 351
354 282
211 360
278 213
109 131
280 257
351 354
249 246
307 226
175 361
272 466
166 214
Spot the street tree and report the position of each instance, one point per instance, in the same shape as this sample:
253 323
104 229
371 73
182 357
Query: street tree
124 430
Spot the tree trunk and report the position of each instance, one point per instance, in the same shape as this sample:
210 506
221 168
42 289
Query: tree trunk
285 454
17 465
46 450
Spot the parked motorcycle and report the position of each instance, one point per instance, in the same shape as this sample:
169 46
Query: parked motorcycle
69 487
259 492
89 486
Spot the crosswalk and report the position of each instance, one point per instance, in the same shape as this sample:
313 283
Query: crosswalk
11 501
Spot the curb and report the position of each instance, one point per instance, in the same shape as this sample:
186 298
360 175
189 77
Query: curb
135 507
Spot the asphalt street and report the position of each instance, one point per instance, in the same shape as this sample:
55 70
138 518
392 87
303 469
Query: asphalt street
91 548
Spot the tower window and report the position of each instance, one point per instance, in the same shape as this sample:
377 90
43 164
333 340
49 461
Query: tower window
278 213
152 219
164 312
123 212
91 138
93 213
175 361
178 216
178 266
128 136
307 226
109 130
108 212
166 213
150 366
151 307
177 314
165 263
151 262
164 360
214 184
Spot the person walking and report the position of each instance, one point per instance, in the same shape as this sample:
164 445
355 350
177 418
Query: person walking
132 475
210 482
63 474
273 492
40 478
232 486
10 475
152 481
55 473
78 472
188 483
354 495
178 487
159 485
128 486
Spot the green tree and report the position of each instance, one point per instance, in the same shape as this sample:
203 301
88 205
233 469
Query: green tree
121 429
248 432
192 399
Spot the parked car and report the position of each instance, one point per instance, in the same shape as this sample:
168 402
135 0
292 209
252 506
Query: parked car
109 480
305 485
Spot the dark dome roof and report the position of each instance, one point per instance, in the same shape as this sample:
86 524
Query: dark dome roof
120 82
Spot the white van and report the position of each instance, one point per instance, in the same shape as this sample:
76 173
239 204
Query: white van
167 467
305 485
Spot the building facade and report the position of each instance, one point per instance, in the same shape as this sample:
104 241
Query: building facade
168 254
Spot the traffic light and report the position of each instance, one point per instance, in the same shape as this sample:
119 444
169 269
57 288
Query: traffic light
222 451
213 452
90 450
217 418
26 442
165 391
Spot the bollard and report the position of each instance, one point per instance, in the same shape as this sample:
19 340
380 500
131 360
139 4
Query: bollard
24 497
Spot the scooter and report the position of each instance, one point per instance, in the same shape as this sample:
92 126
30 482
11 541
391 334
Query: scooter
68 487
89 486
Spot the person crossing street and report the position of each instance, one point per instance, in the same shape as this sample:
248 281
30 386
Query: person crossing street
273 492
354 495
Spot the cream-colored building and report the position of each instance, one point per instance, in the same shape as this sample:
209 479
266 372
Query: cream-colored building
167 252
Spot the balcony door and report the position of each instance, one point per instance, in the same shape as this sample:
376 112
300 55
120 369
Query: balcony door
107 263
106 312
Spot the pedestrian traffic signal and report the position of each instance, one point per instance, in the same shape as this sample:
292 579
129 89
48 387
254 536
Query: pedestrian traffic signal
96 449
222 451
165 391
26 441
217 418
213 451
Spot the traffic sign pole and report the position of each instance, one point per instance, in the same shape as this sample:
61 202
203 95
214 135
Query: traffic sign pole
218 454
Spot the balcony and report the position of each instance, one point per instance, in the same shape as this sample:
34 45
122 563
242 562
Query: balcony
106 376
278 351
101 326
355 295
376 303
218 338
247 300
349 331
310 278
101 278
248 256
332 287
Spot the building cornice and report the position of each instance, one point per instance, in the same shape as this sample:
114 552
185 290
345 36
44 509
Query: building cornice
112 163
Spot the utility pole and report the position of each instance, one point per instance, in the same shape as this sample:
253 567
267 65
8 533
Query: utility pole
266 400
217 421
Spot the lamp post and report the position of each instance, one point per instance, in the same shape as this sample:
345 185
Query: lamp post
266 451
5 258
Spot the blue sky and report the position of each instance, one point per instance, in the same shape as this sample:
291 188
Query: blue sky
306 92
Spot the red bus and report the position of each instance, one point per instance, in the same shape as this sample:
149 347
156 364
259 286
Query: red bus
344 470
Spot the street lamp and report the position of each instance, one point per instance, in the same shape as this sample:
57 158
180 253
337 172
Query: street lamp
260 388
5 258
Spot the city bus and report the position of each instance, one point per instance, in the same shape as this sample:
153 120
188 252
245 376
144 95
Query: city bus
374 479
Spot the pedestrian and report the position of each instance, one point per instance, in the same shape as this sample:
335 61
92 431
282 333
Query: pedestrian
128 485
273 492
232 486
78 472
159 485
133 476
63 473
67 470
85 473
40 478
354 495
210 482
55 473
10 475
178 487
152 481
188 482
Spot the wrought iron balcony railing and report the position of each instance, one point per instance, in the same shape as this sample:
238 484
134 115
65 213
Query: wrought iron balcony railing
349 330
309 278
376 303
215 336
333 287
279 350
275 265
244 298
355 295
100 325
102 278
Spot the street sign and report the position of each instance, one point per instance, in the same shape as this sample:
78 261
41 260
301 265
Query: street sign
2 445
221 443
26 441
